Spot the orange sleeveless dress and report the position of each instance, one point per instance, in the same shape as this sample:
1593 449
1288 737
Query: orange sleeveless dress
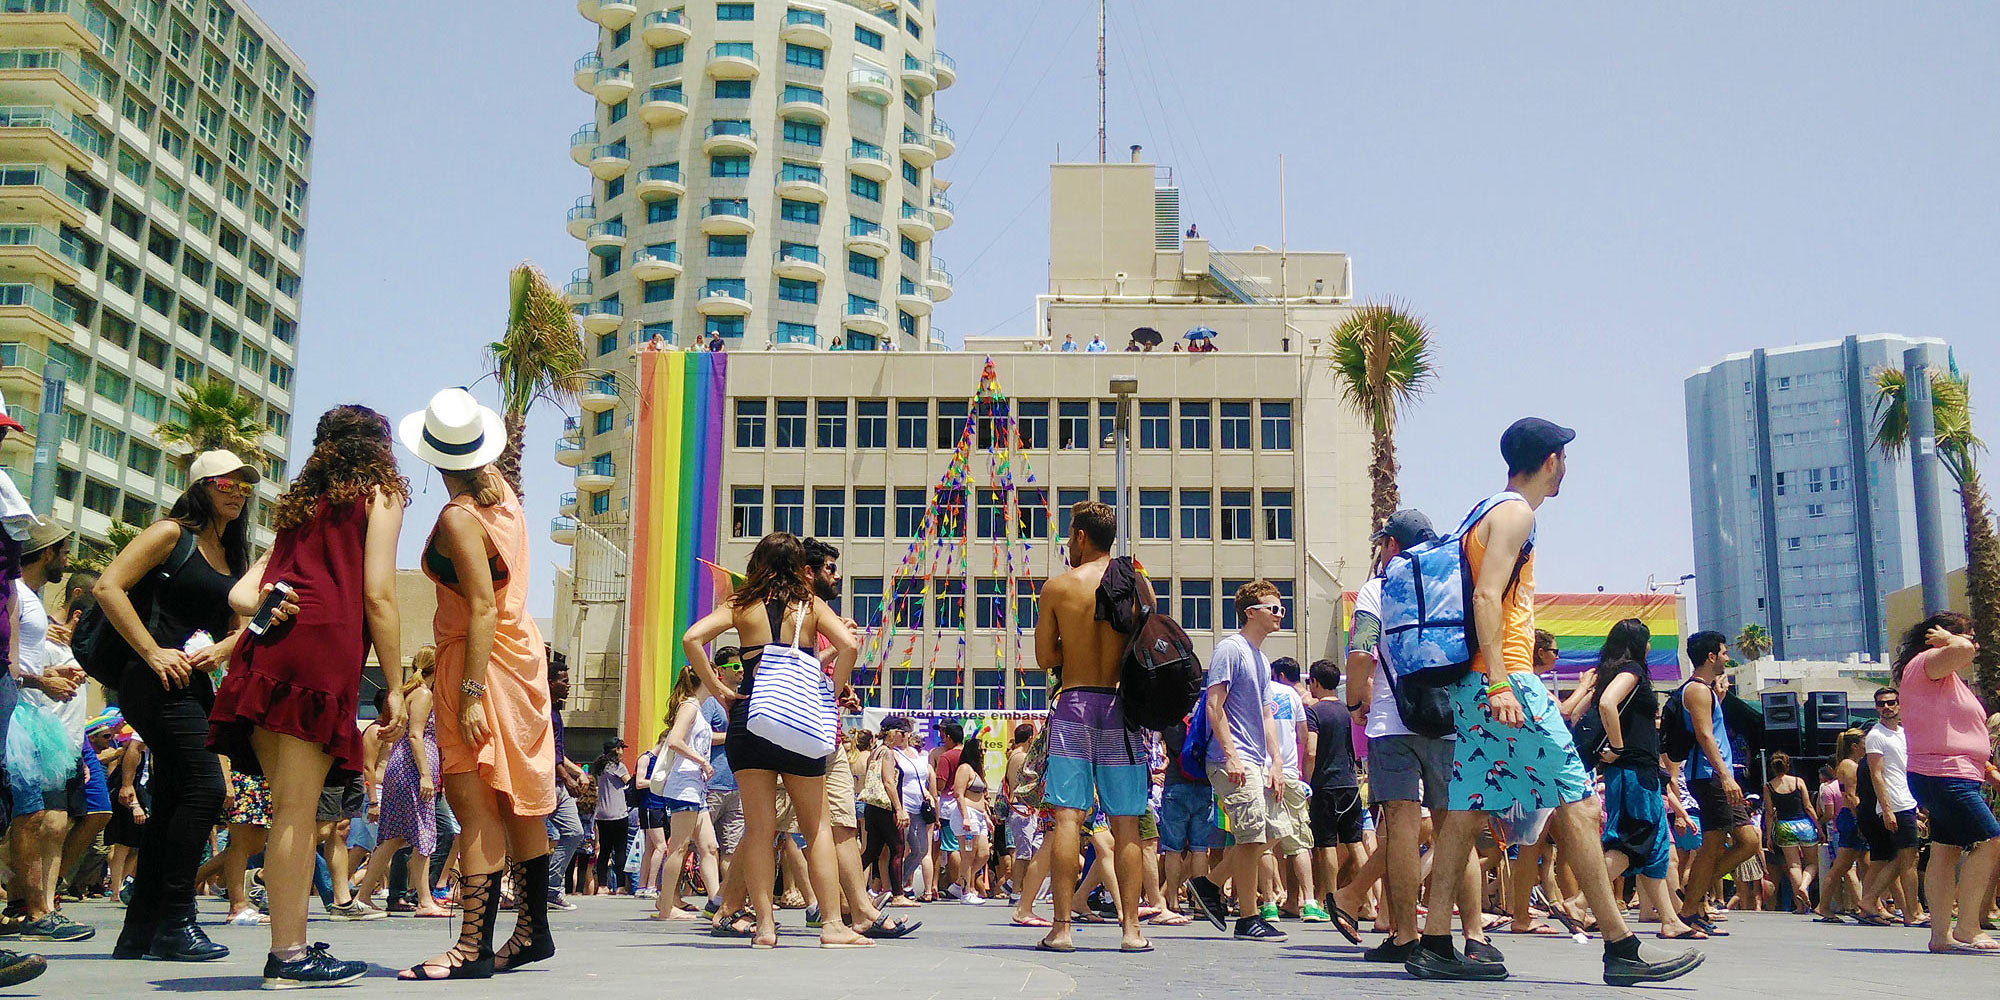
519 759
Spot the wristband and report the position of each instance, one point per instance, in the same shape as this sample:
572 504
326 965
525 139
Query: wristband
1498 686
472 688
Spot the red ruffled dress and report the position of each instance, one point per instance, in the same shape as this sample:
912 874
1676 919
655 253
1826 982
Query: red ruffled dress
303 678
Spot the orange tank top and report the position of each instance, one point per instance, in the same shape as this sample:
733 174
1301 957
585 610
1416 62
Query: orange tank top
1517 611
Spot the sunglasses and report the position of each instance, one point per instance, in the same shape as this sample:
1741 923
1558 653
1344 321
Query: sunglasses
1276 610
1891 703
231 487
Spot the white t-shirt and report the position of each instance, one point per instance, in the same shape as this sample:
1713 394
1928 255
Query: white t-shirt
1383 719
1288 711
37 654
1893 745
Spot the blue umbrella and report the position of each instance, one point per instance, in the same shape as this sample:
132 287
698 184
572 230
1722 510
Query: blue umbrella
1200 333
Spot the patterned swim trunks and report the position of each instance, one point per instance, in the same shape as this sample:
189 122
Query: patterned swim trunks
1496 767
1096 757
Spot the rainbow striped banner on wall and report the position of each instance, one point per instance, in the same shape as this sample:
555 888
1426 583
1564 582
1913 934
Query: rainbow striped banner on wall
1581 621
676 518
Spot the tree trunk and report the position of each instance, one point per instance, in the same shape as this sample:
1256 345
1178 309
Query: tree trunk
509 462
1382 476
1982 585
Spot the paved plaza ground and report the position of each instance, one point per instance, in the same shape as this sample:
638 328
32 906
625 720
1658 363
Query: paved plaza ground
967 953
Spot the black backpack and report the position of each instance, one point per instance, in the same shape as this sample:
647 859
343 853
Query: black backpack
1676 734
1160 677
97 644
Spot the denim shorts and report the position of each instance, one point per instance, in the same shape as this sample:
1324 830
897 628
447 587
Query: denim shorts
1959 817
1187 818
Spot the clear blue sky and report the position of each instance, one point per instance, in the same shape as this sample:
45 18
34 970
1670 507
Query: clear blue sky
1587 201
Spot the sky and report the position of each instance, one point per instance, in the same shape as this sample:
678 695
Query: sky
1585 201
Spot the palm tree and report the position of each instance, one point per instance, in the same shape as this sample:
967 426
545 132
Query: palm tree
1383 358
1754 641
216 415
540 357
1957 449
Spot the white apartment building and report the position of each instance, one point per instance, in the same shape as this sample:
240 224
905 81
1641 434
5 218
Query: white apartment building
154 159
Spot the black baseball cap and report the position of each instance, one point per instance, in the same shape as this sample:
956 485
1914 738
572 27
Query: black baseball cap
1409 527
1529 442
613 743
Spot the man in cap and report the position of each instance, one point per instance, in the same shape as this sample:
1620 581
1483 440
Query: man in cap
1514 754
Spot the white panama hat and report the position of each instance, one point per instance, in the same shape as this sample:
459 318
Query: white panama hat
454 433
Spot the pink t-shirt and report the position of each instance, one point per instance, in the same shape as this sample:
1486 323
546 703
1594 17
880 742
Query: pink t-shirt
1946 727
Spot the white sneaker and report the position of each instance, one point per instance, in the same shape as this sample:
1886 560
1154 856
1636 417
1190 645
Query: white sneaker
972 899
244 918
646 894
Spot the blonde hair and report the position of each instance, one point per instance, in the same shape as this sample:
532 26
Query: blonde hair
485 484
685 687
423 669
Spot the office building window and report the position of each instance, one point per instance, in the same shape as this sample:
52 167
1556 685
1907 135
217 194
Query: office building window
829 512
831 424
869 38
107 441
1072 424
1032 513
1236 515
1781 484
666 210
950 595
661 291
791 423
805 55
788 510
729 166
992 514
1195 514
909 511
1033 423
1107 422
910 602
1156 518
1197 605
750 423
1815 480
797 290
861 264
870 514
746 512
867 604
989 606
1285 598
1194 427
950 422
804 133
732 90
1836 478
669 56
912 423
100 497
1234 427
1231 621
862 187
871 423
1154 426
803 212
1065 500
1277 515
1277 420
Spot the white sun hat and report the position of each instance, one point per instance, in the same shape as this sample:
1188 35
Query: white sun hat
454 433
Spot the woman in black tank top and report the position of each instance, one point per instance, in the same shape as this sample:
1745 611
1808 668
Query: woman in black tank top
1794 827
776 605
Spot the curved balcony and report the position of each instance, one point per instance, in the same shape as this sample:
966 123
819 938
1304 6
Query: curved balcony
732 61
868 160
803 104
913 298
863 317
580 290
806 27
588 8
663 105
605 239
869 238
801 183
943 212
728 219
595 476
719 299
802 263
938 280
918 76
598 394
723 138
600 318
584 72
566 503
562 530
610 160
662 28
943 139
916 223
788 340
582 216
657 182
612 84
657 263
871 85
947 69
916 148
615 14
569 453
937 341
572 429
581 142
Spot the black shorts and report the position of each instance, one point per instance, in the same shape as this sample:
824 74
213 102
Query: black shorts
1884 843
1718 815
339 802
1336 816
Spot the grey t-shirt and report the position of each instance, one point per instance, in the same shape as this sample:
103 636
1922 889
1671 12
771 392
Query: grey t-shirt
1248 675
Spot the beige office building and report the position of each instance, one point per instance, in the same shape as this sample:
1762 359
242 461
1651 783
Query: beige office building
1243 461
154 159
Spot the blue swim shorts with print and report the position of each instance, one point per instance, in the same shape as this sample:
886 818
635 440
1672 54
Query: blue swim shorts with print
1496 767
1095 756
1635 820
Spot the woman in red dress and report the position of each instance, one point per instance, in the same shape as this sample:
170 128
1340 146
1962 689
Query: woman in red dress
287 707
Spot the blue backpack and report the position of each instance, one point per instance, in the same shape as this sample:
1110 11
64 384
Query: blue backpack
1193 756
1427 629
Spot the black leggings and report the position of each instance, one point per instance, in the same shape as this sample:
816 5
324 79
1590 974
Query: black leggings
614 843
880 826
187 791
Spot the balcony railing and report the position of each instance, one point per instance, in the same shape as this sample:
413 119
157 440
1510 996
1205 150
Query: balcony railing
862 227
585 136
946 62
812 17
604 307
37 175
22 356
866 151
795 337
667 253
736 129
662 172
939 128
802 95
912 138
610 150
672 17
88 15
45 238
921 215
870 310
28 296
733 50
579 288
938 274
93 81
866 76
49 118
731 209
810 255
670 92
612 74
943 203
714 290
801 172
590 63
613 228
585 208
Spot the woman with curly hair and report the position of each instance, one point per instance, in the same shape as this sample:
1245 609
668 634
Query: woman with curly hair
286 709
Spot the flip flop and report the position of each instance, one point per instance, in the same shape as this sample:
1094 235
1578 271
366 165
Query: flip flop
1168 918
1088 918
1691 934
1967 948
1034 921
883 932
1142 949
837 945
1063 949
1148 912
1921 923
1873 920
1539 929
1829 919
1348 927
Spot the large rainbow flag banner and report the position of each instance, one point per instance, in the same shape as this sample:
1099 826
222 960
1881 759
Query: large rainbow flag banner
1581 621
676 515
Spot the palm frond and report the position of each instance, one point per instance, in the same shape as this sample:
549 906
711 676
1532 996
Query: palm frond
1892 411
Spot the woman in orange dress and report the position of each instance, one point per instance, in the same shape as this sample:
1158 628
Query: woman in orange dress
496 742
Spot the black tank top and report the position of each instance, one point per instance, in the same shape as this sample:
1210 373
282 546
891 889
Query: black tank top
1790 805
197 597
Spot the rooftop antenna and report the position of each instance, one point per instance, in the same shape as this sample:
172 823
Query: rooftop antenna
1100 81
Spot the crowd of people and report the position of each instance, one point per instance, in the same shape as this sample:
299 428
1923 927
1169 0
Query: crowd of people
1340 793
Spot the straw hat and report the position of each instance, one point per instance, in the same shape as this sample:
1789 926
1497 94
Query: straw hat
454 433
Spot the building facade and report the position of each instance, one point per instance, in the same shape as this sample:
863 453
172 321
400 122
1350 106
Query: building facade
1243 462
1800 524
154 162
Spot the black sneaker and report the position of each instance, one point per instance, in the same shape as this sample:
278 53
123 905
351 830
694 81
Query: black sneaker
317 967
1448 963
1483 951
17 968
1389 952
1257 929
1627 964
1207 898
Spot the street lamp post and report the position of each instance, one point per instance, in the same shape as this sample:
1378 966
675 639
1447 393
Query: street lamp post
1123 387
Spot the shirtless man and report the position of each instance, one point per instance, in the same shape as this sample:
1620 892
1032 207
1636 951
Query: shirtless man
1096 758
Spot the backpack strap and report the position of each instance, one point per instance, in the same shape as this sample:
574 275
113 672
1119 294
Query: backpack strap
1479 513
184 550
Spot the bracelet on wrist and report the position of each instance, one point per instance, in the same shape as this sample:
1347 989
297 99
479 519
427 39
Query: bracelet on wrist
471 688
1498 686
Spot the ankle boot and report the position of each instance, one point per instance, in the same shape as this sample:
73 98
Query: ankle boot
180 939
